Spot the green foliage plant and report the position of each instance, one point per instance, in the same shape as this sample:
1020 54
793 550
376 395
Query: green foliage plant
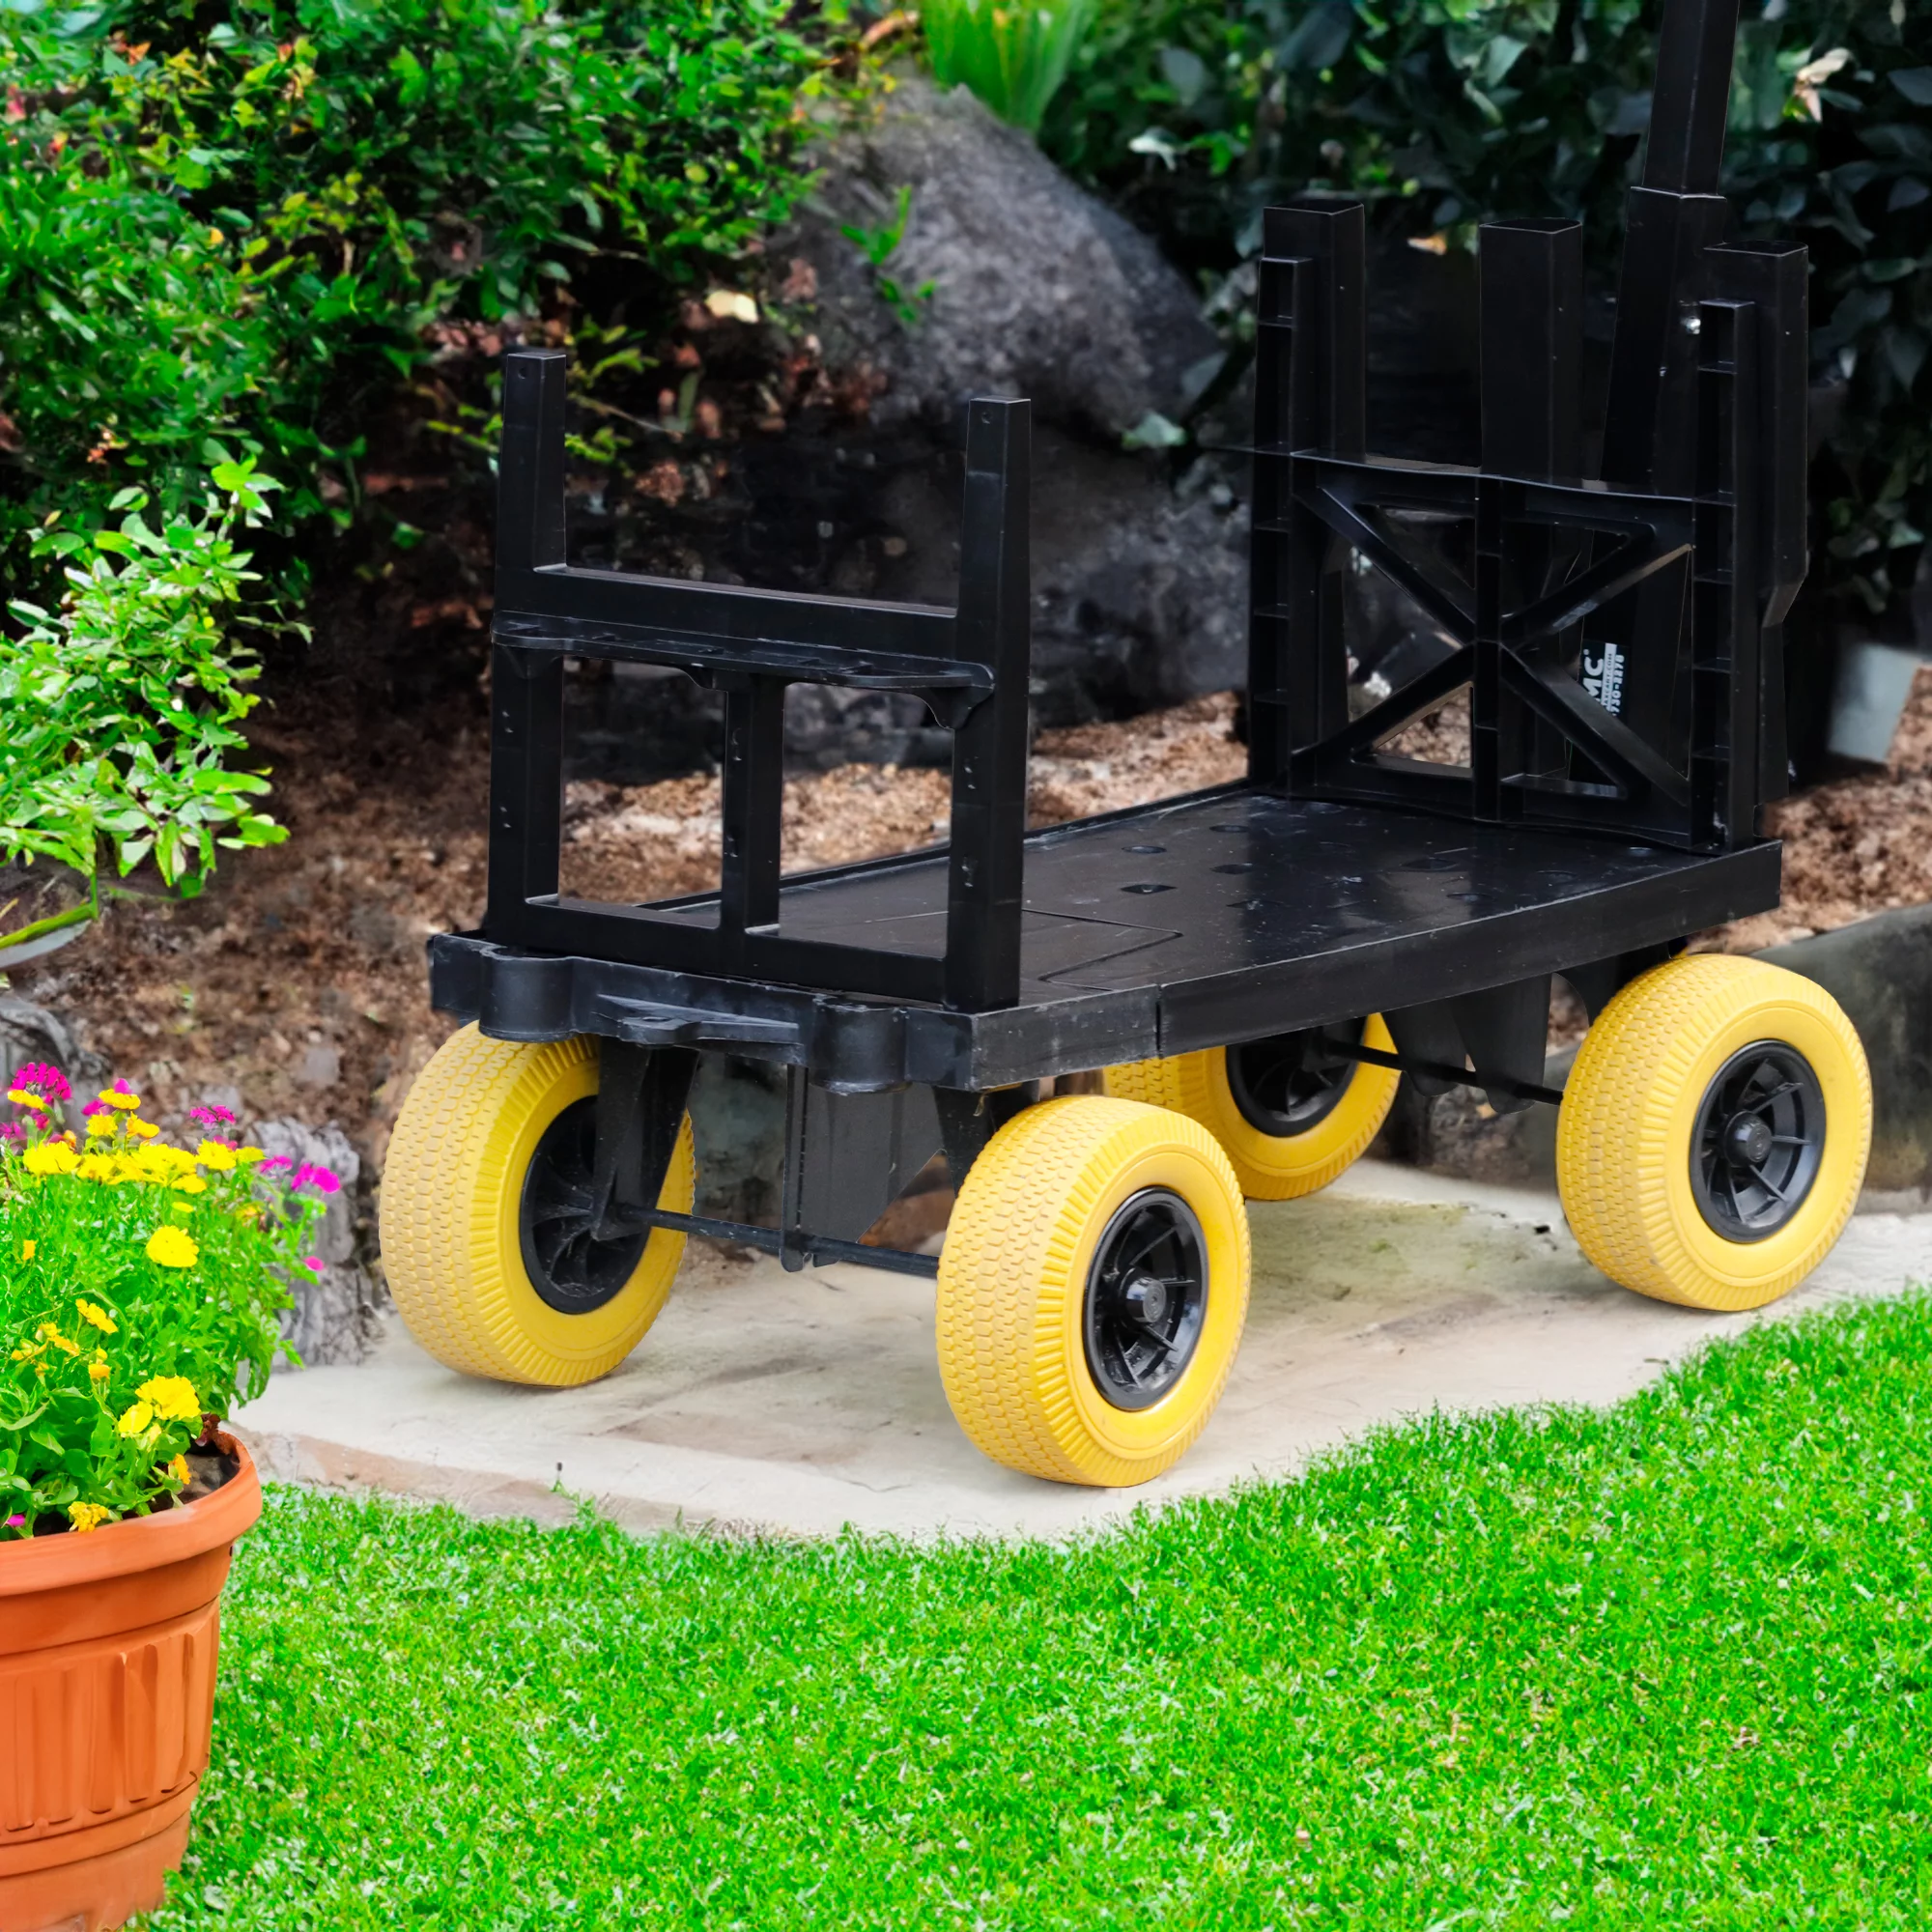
122 707
1013 54
879 245
140 1285
254 219
1443 113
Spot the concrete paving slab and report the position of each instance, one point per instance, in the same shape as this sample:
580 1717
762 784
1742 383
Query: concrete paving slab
797 1404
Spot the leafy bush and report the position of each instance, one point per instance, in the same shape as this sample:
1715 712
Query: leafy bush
1444 112
121 709
240 219
1014 56
139 1288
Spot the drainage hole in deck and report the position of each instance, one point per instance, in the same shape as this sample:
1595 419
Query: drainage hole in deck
1237 866
1148 886
1144 848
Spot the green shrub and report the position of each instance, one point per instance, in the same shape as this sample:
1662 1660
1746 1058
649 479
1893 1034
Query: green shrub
243 218
1444 112
122 708
139 1288
1012 55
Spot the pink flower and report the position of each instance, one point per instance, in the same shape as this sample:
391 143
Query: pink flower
49 1082
312 1261
213 1117
276 1163
308 1175
13 1522
12 1132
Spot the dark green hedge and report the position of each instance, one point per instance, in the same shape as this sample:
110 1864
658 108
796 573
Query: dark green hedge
245 221
1444 112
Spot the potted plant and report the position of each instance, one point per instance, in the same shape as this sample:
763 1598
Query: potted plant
140 1287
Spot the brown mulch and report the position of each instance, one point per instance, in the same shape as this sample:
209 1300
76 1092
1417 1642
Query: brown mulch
298 978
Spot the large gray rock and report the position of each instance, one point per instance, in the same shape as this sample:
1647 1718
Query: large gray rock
1037 289
33 1035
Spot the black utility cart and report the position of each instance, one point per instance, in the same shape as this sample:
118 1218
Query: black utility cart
1254 966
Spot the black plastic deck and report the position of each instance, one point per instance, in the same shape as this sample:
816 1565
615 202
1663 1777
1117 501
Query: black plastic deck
1224 917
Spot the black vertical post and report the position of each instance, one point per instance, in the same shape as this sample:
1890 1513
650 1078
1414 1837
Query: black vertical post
1773 280
1532 345
526 687
986 881
1311 394
753 785
1532 372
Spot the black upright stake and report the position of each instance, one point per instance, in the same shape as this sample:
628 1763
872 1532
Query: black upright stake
1532 371
754 801
986 879
1311 394
526 688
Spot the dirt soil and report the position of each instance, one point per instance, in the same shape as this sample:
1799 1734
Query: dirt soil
298 978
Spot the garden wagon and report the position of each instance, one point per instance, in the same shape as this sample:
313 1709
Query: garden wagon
1253 968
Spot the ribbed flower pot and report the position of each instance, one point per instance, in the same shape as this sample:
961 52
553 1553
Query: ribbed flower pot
107 1696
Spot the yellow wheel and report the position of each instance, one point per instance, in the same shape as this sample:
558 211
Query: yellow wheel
486 1236
1092 1291
1290 1118
1714 1132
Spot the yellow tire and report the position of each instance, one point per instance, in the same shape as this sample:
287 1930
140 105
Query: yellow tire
454 1230
1714 1132
1093 1289
1270 1165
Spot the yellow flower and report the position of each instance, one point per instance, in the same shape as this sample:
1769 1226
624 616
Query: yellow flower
100 1124
48 1333
189 1183
98 1370
25 1352
97 1317
135 1419
147 1129
215 1155
172 1248
248 1156
179 1470
87 1515
51 1157
113 1097
28 1250
173 1395
22 1098
96 1167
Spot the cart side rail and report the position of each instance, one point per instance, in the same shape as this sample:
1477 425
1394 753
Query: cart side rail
969 665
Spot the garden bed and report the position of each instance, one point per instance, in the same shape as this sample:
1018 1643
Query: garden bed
299 979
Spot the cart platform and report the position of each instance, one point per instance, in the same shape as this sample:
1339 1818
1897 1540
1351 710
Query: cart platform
1219 916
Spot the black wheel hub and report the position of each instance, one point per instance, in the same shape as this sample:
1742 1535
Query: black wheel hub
1760 1138
1289 1082
1147 1297
570 1264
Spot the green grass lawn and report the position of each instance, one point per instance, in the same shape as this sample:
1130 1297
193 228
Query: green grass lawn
1663 1665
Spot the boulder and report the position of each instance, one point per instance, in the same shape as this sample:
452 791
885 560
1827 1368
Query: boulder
31 1034
1037 289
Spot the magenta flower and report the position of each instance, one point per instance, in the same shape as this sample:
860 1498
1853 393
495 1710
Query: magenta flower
321 1179
213 1117
276 1163
312 1261
49 1082
15 1523
92 1107
12 1132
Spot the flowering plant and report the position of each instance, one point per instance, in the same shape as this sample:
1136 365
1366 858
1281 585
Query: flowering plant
139 1288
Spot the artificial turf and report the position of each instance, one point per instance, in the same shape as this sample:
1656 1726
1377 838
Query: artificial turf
1666 1664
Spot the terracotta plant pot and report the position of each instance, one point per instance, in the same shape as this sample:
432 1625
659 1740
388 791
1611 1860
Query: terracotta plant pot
107 1696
